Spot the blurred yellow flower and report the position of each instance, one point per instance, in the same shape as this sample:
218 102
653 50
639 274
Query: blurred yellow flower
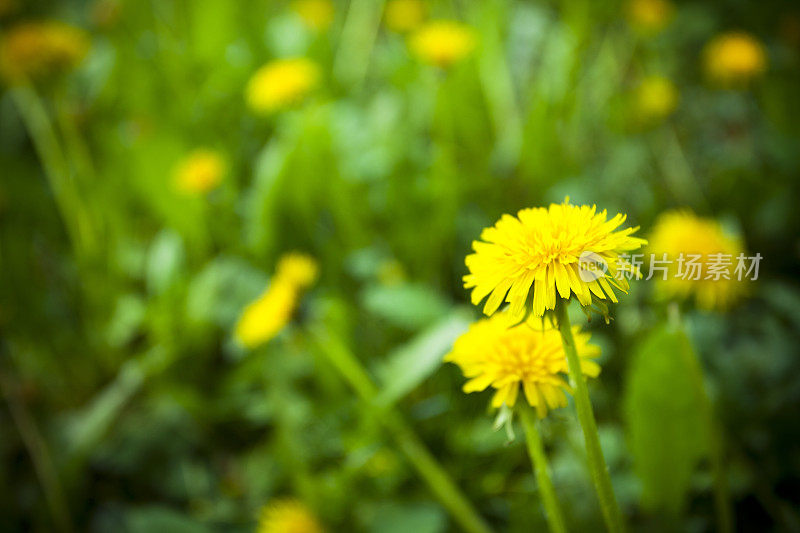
443 42
281 83
530 355
650 16
199 172
287 516
299 269
33 50
656 98
735 57
265 317
562 249
404 15
691 244
316 14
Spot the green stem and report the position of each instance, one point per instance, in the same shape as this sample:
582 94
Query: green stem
555 519
56 168
448 493
356 41
583 406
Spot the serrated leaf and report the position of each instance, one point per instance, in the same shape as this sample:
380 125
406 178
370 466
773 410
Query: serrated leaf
667 415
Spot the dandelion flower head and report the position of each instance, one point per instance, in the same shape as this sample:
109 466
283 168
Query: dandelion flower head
200 172
691 244
281 83
404 15
656 98
529 356
287 516
650 16
547 251
268 314
316 14
34 50
735 57
443 42
298 268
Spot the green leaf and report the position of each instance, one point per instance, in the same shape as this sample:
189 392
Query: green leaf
412 363
165 261
407 306
667 414
401 518
155 518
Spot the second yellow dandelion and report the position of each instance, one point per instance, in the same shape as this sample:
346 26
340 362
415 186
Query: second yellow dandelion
281 83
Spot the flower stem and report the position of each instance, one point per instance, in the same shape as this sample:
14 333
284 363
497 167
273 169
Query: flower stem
555 519
583 406
437 478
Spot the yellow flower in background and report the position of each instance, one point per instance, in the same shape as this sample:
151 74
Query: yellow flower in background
316 14
735 57
562 249
650 16
281 83
690 244
404 15
33 50
287 516
443 42
656 98
200 172
528 356
299 269
265 317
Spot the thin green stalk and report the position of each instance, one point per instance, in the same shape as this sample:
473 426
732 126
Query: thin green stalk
583 406
555 519
56 168
40 456
350 368
356 41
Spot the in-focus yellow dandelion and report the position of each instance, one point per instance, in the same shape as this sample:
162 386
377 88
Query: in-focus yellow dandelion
288 516
299 269
528 356
562 249
404 15
650 16
265 317
200 172
281 83
656 98
735 58
316 14
34 50
692 246
443 42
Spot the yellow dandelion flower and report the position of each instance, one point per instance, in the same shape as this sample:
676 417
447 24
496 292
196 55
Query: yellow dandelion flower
287 516
650 16
563 249
265 317
316 14
528 356
404 15
298 269
281 83
34 50
656 98
735 57
692 245
443 42
200 172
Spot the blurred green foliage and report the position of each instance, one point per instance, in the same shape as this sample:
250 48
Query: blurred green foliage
128 406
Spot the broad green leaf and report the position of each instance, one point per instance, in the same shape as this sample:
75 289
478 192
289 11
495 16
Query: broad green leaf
155 518
406 306
165 261
402 518
667 415
412 363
